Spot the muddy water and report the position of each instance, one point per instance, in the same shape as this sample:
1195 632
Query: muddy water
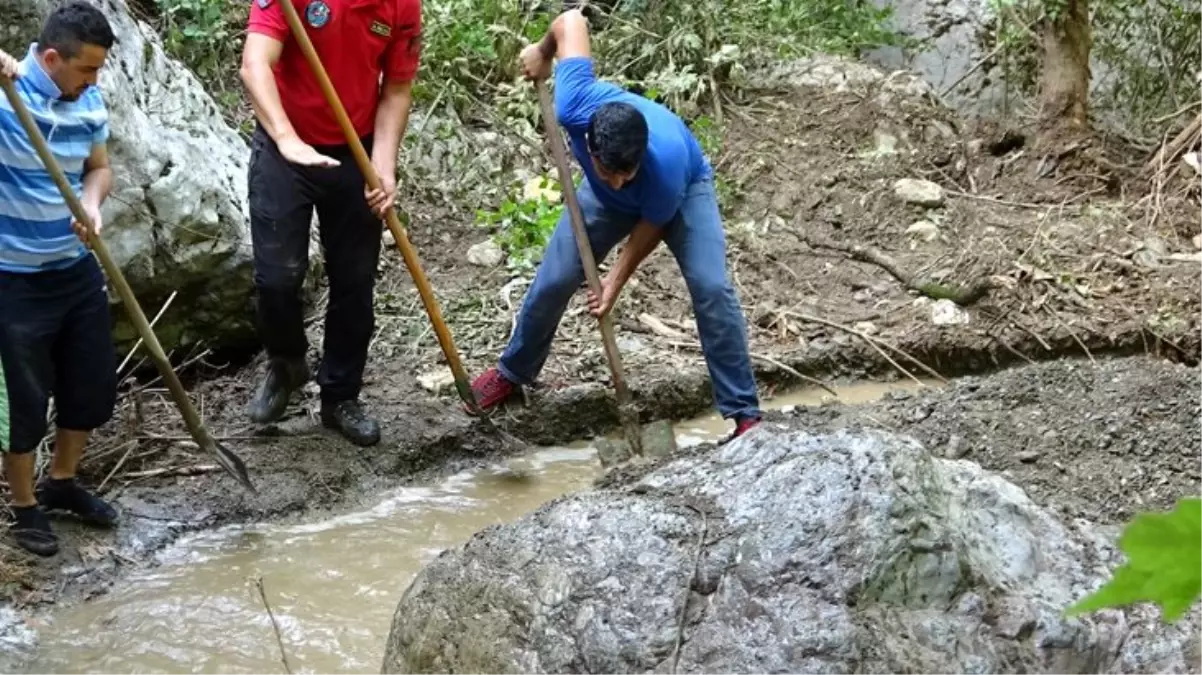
332 585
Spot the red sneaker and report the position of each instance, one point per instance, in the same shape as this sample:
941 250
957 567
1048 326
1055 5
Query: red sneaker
744 425
491 389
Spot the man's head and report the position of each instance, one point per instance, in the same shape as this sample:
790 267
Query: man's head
617 141
73 46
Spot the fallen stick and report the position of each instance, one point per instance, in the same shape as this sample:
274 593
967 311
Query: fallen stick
194 470
153 322
875 344
961 295
767 359
121 462
279 639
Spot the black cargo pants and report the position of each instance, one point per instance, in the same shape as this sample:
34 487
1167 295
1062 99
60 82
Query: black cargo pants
282 199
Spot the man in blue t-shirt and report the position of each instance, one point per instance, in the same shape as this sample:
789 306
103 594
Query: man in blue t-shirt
54 312
646 178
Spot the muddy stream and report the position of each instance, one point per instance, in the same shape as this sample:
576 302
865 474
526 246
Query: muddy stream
332 584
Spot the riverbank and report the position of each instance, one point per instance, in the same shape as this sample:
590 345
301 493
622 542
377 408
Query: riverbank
1077 261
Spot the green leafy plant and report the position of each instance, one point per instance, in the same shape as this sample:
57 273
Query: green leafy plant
524 221
1164 563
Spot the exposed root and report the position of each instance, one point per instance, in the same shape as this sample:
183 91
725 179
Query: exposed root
875 344
961 295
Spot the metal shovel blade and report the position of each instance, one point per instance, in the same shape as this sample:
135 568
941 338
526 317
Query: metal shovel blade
233 465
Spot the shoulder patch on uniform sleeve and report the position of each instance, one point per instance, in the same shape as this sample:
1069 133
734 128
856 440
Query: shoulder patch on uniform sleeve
380 28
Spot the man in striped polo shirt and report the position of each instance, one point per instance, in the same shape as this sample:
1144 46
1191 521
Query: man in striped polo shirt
54 314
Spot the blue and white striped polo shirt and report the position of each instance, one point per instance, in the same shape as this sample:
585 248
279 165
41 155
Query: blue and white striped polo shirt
35 223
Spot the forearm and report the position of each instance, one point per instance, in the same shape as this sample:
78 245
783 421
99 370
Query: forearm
392 119
96 186
572 20
265 99
643 240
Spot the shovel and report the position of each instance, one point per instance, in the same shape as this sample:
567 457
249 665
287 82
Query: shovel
227 459
658 437
408 253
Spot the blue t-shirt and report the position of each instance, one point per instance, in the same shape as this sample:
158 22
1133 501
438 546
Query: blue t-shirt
674 159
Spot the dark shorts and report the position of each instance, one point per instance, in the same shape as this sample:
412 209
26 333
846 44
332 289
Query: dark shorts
55 339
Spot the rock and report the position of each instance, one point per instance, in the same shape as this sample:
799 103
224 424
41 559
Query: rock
947 313
612 451
487 253
950 52
866 327
920 192
847 552
437 381
956 448
177 216
1029 456
924 230
1198 241
886 143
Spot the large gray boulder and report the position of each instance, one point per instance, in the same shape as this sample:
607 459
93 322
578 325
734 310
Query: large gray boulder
783 552
177 217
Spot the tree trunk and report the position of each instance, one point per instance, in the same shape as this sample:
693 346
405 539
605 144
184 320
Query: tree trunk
1064 97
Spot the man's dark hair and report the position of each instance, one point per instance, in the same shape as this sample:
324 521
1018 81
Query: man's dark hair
617 136
72 25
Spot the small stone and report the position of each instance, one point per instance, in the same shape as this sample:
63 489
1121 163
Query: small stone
886 143
659 439
1198 241
947 313
1029 456
788 409
485 254
955 447
612 451
866 327
629 344
436 381
924 230
920 192
389 238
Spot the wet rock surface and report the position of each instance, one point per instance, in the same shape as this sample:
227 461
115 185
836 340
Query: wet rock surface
784 551
176 220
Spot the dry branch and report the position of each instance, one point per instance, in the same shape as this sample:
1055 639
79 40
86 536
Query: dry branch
961 295
875 344
279 639
1189 137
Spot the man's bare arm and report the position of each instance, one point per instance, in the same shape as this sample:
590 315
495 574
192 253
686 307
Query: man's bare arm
97 177
392 119
259 56
566 37
642 241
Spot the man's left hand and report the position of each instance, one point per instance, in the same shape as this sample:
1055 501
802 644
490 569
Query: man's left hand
600 306
380 201
81 230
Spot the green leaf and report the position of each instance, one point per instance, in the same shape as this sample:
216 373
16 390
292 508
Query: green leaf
1164 564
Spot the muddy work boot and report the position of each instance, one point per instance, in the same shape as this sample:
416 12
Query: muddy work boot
283 377
491 389
64 494
348 419
32 530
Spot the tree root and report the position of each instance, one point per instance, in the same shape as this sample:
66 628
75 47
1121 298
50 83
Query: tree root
961 295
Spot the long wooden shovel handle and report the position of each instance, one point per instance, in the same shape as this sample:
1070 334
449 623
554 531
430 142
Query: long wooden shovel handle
195 427
408 253
582 243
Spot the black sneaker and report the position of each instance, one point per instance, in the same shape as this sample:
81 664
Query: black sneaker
66 495
348 418
32 531
283 377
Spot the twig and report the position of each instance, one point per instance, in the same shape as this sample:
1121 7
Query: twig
962 296
696 346
688 587
875 344
132 444
968 73
195 470
279 639
1071 332
153 321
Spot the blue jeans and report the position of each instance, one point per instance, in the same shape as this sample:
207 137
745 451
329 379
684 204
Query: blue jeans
696 239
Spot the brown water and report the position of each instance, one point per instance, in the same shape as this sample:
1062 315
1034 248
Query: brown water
332 584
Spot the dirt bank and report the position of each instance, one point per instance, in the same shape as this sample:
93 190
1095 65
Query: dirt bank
1077 263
